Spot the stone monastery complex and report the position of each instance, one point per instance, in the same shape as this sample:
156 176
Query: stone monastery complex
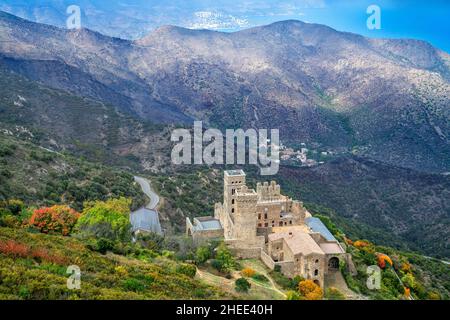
267 225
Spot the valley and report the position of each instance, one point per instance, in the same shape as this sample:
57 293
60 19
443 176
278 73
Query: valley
86 122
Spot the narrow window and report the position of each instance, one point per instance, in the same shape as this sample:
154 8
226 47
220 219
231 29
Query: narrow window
316 272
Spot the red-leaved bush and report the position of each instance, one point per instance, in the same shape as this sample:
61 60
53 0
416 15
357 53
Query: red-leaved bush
56 219
14 249
19 250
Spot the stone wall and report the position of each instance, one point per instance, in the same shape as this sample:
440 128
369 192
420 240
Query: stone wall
267 260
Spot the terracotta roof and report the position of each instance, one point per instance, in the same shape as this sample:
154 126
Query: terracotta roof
331 247
298 241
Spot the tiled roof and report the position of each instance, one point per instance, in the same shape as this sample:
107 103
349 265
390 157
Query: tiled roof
145 220
331 247
298 241
234 172
213 224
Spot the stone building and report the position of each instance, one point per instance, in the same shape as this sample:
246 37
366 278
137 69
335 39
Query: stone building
275 228
203 228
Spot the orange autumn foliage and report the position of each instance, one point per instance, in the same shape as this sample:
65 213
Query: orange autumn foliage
56 219
348 241
361 244
407 292
406 267
248 272
19 250
309 290
383 259
14 249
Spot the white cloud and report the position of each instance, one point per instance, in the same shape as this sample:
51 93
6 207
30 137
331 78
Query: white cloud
217 21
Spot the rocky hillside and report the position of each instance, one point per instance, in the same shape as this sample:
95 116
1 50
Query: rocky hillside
61 121
386 99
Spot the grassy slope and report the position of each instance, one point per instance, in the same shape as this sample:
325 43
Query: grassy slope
28 278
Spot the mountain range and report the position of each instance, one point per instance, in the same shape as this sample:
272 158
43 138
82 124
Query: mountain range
380 105
386 99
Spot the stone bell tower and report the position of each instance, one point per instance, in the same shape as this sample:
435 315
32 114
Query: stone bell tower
245 217
233 180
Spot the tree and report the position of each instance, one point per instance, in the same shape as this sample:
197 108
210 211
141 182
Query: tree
121 205
409 281
224 258
202 254
106 219
15 206
57 219
309 290
242 285
383 260
248 272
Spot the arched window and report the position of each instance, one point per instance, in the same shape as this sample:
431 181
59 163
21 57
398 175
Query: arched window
316 272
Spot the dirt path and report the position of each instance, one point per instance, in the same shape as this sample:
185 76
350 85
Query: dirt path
337 281
258 290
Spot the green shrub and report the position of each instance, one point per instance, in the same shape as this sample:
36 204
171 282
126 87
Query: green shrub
242 285
334 294
101 245
292 295
202 254
187 269
260 277
224 258
282 280
134 285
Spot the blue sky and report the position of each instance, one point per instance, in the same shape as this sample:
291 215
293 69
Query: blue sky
418 19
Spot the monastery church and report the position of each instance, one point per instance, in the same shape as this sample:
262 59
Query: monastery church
267 225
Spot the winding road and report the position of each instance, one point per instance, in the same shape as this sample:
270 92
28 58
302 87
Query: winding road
148 191
146 218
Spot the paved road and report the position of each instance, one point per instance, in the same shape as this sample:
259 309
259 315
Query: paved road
147 189
147 218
